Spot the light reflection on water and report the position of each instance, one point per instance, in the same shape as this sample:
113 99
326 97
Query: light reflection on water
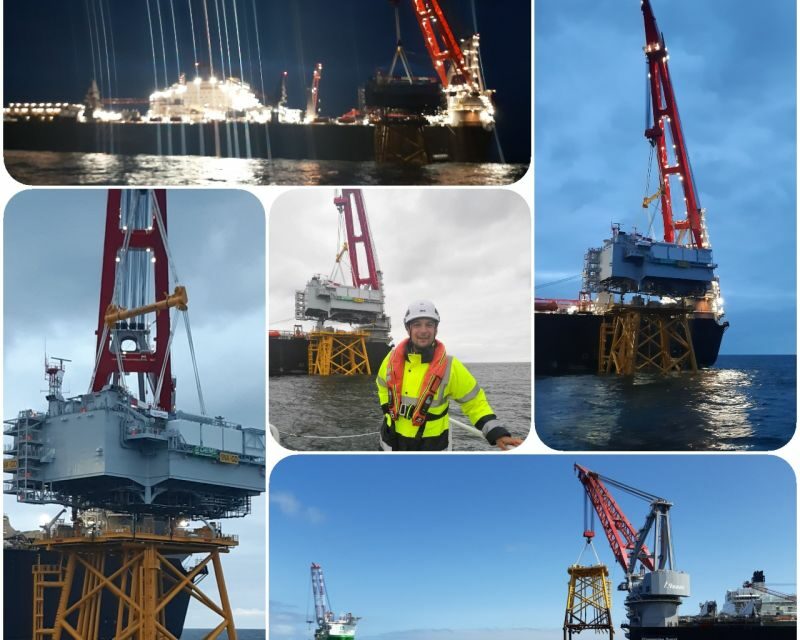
749 404
51 168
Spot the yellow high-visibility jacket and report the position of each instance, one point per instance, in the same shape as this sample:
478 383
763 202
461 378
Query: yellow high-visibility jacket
457 384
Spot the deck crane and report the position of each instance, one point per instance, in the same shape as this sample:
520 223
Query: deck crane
458 66
359 302
679 271
443 48
312 104
757 583
654 587
322 604
665 134
328 626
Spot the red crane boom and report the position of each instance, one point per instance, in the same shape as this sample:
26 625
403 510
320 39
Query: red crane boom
351 205
147 237
442 45
673 158
622 535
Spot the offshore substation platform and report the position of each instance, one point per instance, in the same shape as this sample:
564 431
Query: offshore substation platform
132 469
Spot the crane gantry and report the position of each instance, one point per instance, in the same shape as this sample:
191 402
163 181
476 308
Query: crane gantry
655 588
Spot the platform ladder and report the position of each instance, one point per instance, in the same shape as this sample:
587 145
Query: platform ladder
637 339
338 353
45 576
588 601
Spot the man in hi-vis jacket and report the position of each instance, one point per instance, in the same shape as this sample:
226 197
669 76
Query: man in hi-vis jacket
416 382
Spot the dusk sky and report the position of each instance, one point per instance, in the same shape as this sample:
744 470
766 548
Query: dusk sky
48 49
476 547
52 252
733 71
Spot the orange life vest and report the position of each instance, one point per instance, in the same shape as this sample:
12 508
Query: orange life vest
430 383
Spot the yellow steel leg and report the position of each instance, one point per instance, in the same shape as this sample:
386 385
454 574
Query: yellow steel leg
223 596
646 339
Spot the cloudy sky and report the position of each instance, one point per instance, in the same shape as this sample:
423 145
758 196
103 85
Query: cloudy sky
733 70
468 250
53 241
475 547
351 38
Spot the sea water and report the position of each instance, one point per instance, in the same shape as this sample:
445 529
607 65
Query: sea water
70 168
742 403
337 413
241 634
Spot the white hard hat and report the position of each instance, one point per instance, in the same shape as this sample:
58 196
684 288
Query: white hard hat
421 309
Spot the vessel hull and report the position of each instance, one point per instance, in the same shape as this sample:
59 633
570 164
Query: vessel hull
567 343
289 355
718 631
323 141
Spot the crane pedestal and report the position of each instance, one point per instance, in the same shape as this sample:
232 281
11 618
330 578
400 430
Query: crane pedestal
338 353
588 601
141 585
401 142
635 339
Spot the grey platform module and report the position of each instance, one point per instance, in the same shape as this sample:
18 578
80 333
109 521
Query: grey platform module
105 450
632 263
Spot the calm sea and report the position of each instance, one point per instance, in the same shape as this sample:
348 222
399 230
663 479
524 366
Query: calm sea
242 634
51 168
743 403
324 414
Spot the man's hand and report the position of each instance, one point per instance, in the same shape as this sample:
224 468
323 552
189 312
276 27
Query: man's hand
507 442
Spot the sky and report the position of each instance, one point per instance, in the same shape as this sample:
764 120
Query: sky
426 547
733 72
48 49
467 250
52 252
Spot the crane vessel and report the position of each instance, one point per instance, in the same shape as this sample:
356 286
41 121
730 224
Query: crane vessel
131 468
326 350
655 588
673 317
329 627
400 118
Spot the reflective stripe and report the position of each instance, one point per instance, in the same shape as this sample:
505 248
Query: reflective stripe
385 446
469 396
445 380
381 382
491 424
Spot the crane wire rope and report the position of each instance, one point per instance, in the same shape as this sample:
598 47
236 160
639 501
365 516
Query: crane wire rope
194 363
160 383
648 122
173 269
483 80
583 550
559 281
114 297
651 215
